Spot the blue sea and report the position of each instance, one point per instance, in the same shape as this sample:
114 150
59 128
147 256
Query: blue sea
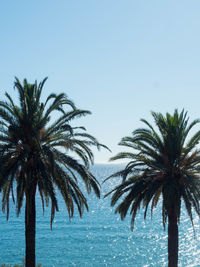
99 238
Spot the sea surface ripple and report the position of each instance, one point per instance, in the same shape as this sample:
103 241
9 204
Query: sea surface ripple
99 238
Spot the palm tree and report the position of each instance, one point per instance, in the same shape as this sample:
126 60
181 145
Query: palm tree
162 164
36 155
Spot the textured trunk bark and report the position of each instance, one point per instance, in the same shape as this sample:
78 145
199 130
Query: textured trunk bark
172 239
30 221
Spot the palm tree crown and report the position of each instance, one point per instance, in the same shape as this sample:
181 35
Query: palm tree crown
36 152
161 164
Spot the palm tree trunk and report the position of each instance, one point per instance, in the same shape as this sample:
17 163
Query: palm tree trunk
30 221
172 239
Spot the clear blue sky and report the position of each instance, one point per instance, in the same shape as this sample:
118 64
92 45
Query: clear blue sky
119 59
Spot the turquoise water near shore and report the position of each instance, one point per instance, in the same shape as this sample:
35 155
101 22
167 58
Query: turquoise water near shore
99 238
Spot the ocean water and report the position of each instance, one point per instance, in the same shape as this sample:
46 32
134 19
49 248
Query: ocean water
99 238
